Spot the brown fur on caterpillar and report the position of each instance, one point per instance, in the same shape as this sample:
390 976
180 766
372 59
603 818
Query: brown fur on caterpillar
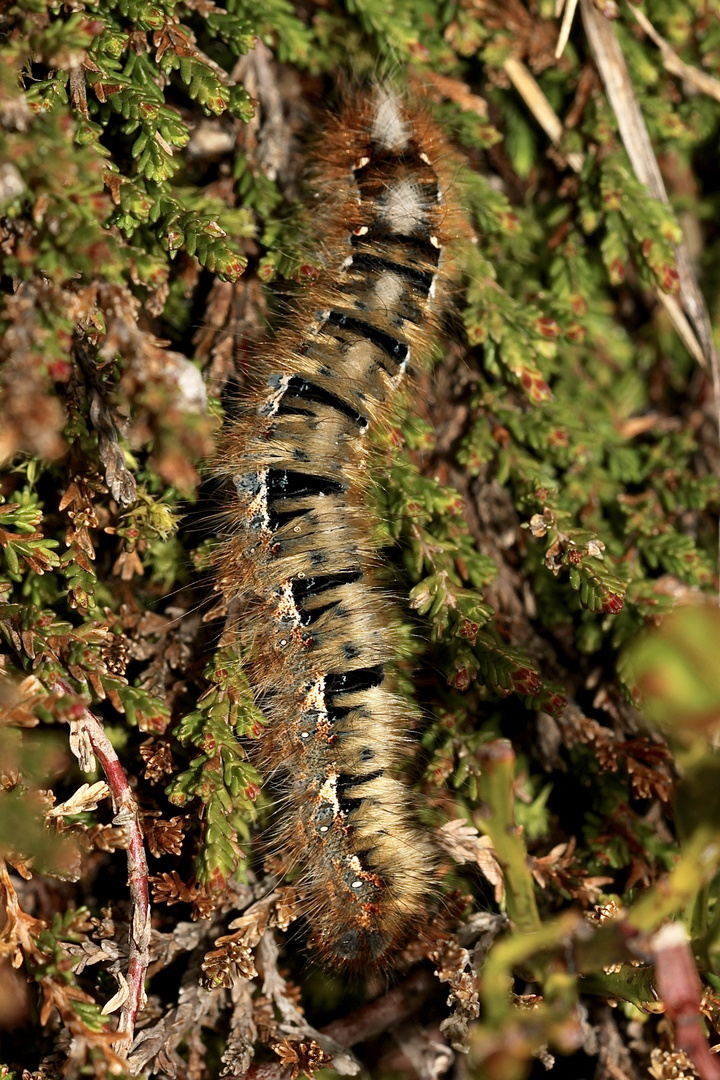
319 630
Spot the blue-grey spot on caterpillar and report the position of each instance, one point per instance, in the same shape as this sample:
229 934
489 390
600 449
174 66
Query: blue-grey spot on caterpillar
319 632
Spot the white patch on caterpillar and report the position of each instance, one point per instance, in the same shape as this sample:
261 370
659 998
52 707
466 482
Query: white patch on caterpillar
328 792
314 701
271 404
389 289
286 612
390 130
356 866
405 208
255 509
402 368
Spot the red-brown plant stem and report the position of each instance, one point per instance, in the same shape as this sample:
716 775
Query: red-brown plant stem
680 990
364 1023
127 815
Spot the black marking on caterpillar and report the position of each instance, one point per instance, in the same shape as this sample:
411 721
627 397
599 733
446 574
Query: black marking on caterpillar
320 634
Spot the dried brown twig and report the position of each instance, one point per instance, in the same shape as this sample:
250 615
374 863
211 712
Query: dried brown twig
700 80
568 16
363 1024
456 91
613 70
529 90
679 987
611 64
87 734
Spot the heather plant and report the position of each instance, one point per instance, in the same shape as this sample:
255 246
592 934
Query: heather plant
548 495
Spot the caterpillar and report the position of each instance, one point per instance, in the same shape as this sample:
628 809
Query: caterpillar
301 548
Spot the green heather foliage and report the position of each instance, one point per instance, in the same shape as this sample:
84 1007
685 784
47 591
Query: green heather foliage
547 496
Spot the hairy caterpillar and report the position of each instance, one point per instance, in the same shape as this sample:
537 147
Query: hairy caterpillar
301 547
